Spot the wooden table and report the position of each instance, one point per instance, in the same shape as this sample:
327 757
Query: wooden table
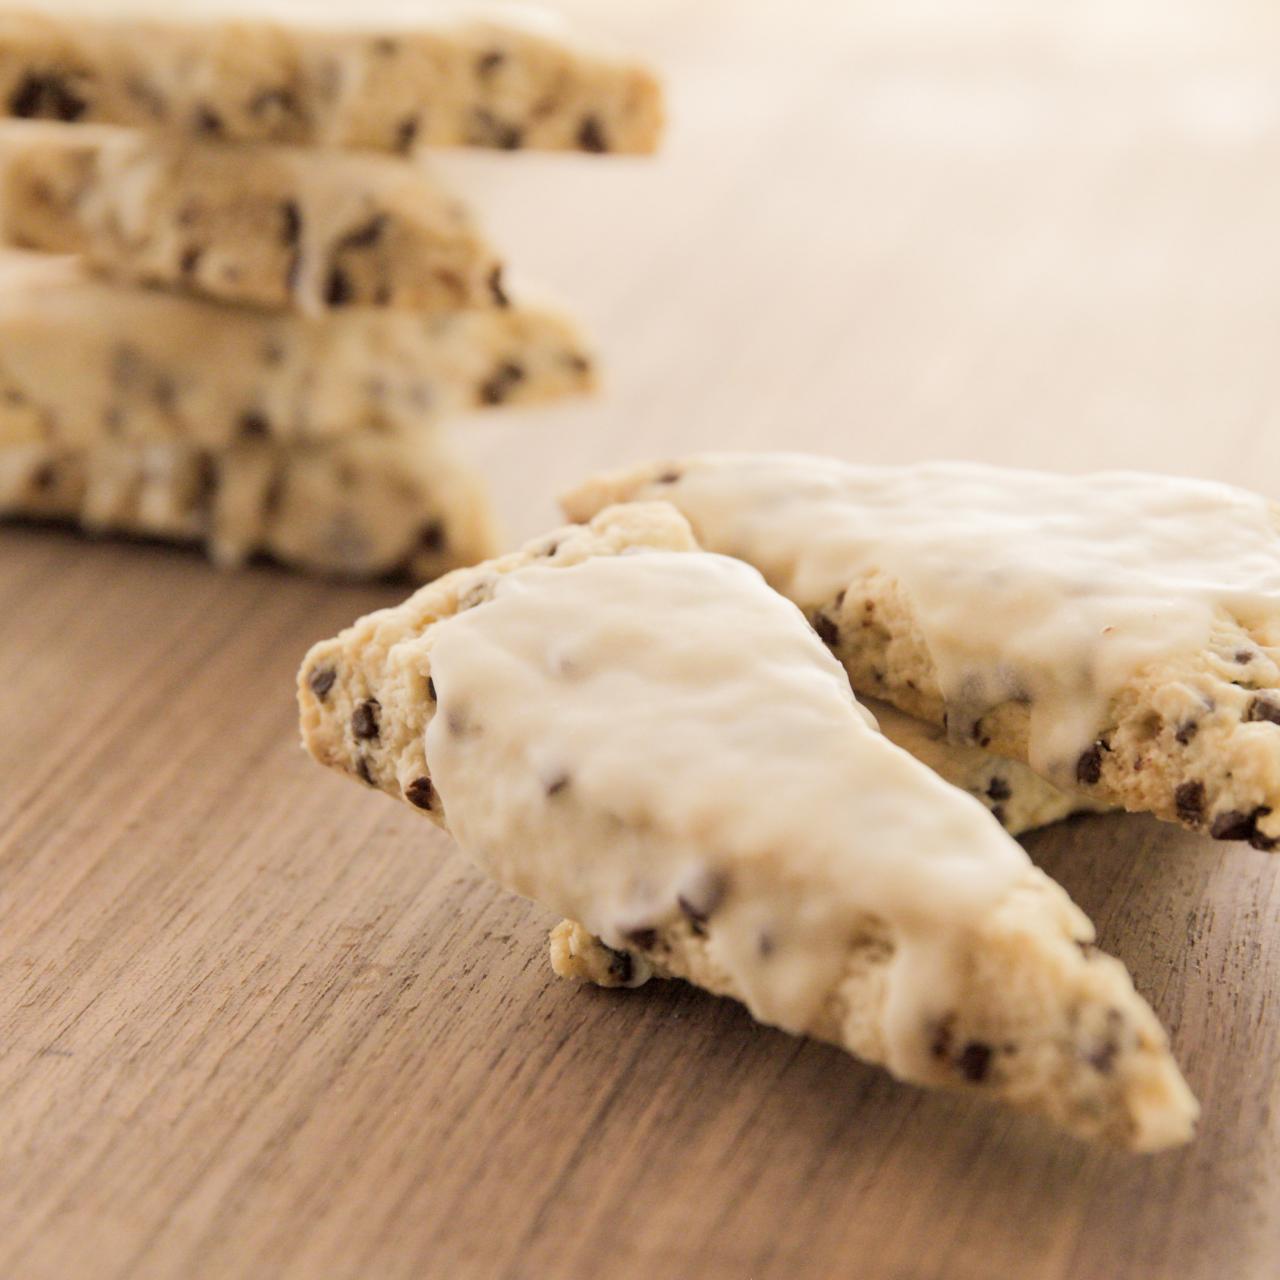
257 1022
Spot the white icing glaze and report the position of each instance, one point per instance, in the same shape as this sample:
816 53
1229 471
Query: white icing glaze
1047 587
617 734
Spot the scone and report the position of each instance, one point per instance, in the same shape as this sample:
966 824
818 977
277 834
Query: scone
391 75
82 361
646 738
368 507
1119 632
268 225
1019 798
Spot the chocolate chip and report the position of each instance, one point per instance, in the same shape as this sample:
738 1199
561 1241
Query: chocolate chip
407 133
557 784
498 293
253 425
366 236
47 95
207 121
364 719
1237 825
998 789
1103 1058
420 792
431 689
1186 731
487 63
1089 766
499 385
432 537
1263 709
363 771
667 477
1188 800
190 260
974 1061
291 218
591 136
338 291
621 968
645 939
827 630
1244 656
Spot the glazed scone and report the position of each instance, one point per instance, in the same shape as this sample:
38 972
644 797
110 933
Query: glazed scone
1019 798
267 225
82 360
385 76
1119 632
368 507
646 738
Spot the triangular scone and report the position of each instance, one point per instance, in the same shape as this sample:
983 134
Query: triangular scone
654 743
388 75
364 507
315 230
1019 798
1120 631
83 360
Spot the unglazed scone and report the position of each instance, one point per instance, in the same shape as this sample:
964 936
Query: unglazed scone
370 506
386 75
1119 632
82 360
268 225
1018 797
646 738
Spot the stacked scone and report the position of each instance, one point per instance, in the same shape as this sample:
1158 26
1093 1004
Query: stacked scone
235 308
652 722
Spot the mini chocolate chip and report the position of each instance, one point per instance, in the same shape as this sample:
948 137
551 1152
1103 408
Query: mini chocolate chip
974 1061
499 385
420 792
490 131
253 425
1263 709
338 291
645 939
432 536
407 133
191 260
1103 1058
557 784
1188 800
620 967
1186 731
827 630
667 477
591 136
498 293
1089 766
366 236
998 789
291 217
1243 656
207 121
1237 825
46 95
364 772
487 63
431 689
364 719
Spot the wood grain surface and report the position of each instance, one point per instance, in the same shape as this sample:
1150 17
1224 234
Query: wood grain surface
258 1022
